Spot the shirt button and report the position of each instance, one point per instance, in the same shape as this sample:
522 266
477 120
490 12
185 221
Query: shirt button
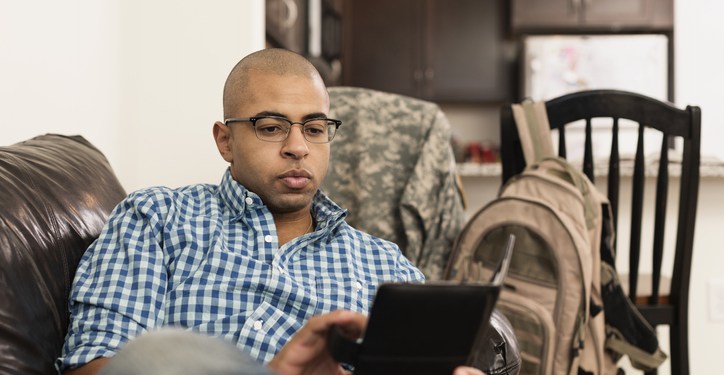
248 200
258 324
358 285
268 238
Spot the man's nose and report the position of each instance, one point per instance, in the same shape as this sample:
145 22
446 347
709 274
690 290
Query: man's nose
296 145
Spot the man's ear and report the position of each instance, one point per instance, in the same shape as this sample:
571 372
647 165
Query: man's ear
222 136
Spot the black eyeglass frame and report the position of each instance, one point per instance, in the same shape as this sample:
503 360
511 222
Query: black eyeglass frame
253 121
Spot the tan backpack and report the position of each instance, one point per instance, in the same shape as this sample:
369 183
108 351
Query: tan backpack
553 291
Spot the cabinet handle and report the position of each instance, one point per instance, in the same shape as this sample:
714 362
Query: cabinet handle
575 5
292 13
417 75
429 74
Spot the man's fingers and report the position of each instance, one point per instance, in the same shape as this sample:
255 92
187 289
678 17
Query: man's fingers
317 327
464 370
349 321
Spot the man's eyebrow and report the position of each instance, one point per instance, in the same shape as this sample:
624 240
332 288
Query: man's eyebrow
270 113
315 115
278 114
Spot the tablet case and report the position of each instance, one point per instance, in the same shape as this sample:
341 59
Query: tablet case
421 328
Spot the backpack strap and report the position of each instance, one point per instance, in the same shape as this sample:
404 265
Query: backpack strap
569 173
639 358
534 130
627 331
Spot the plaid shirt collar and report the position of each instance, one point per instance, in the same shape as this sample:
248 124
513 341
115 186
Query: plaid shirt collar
238 199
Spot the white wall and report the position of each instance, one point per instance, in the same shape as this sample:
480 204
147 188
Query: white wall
699 53
142 80
59 70
699 79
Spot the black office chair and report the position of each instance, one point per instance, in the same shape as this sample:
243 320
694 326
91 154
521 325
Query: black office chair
658 307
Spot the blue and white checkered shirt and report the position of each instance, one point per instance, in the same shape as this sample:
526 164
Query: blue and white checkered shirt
206 257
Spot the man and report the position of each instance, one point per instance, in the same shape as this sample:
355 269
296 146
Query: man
251 260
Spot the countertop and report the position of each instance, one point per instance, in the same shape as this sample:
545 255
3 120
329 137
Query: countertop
710 167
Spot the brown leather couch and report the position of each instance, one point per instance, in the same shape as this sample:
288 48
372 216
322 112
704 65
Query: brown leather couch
55 195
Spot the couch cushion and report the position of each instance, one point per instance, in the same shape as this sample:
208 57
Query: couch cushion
55 195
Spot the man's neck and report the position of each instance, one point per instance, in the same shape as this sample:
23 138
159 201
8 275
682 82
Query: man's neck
292 227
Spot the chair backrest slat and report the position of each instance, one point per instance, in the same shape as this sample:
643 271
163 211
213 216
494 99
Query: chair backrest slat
662 192
562 142
614 177
588 153
637 204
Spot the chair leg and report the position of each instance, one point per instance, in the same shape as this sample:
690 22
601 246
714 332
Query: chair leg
679 352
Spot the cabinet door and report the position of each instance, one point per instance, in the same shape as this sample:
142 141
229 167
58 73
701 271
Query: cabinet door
286 23
591 15
466 51
331 24
382 42
622 14
545 14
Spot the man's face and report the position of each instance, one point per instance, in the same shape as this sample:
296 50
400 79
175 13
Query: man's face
287 174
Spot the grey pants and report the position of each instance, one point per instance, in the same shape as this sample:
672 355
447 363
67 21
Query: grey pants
174 351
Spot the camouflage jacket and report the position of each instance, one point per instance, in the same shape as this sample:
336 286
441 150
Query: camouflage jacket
393 169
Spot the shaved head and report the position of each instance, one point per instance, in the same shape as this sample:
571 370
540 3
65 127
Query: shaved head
270 61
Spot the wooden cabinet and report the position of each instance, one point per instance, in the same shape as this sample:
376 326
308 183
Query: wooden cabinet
591 15
331 28
286 24
440 50
466 51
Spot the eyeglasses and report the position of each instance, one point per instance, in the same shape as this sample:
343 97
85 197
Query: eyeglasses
276 129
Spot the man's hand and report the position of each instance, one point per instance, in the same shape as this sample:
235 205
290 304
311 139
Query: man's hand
306 352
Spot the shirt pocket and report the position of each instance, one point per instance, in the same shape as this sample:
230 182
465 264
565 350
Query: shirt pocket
343 293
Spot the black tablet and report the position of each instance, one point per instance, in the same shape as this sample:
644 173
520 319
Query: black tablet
421 328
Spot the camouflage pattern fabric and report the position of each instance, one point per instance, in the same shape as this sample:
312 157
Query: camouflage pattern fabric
392 168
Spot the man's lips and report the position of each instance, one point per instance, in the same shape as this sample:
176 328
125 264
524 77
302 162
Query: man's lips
296 179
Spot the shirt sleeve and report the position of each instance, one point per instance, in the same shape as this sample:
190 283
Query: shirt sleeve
406 271
120 283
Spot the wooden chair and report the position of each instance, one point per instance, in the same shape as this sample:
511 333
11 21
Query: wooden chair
657 307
